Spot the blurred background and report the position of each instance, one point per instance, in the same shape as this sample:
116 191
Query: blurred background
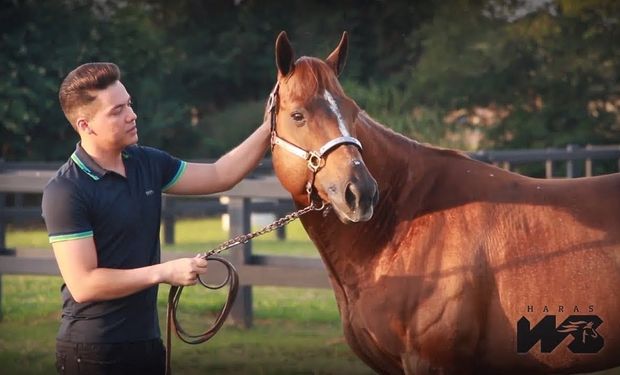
459 73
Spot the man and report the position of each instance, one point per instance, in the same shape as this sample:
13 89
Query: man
102 212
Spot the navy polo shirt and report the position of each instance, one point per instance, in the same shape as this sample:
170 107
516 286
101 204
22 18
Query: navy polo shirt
123 217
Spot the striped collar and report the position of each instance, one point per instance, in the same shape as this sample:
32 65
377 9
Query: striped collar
88 165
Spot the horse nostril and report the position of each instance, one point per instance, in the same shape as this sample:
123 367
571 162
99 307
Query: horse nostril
351 196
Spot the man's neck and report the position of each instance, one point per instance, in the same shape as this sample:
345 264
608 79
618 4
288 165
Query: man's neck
109 159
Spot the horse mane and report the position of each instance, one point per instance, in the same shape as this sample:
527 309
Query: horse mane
402 141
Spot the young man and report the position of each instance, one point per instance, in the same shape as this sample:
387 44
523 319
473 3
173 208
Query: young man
102 212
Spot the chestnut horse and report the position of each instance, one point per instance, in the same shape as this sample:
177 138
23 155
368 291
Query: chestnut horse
442 264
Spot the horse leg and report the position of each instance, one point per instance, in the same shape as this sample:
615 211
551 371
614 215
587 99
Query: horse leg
413 364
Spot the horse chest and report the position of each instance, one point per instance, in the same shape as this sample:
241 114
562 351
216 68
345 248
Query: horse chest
430 317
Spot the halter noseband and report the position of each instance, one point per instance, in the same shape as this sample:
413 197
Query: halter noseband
315 159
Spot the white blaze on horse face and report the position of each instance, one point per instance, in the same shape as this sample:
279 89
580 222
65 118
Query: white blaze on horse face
334 107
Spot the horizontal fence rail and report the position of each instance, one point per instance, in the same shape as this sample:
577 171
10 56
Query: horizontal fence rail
507 159
22 183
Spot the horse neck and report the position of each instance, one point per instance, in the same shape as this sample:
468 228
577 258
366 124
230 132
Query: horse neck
388 155
420 178
413 179
391 159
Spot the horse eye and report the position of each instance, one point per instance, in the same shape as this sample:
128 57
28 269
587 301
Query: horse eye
297 117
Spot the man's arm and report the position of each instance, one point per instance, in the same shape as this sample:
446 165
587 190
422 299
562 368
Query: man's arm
226 172
77 260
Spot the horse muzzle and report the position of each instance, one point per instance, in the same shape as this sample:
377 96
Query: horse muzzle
354 200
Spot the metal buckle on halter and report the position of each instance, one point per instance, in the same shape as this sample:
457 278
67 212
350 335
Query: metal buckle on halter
315 161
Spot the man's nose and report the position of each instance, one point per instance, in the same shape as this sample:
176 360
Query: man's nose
132 115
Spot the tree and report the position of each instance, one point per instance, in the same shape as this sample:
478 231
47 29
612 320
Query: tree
550 76
460 73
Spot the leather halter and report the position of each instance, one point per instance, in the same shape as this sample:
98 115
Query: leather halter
315 159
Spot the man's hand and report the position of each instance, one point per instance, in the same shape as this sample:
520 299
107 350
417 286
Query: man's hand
183 271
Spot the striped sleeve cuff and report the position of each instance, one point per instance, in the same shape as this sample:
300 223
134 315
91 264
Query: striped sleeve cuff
176 177
71 236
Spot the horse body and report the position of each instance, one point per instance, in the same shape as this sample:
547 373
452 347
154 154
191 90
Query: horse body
441 283
457 252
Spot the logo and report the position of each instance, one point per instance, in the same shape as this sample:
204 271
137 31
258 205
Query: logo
582 328
149 192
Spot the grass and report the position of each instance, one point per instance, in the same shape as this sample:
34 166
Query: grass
296 331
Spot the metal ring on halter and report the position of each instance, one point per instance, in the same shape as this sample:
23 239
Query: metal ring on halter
319 208
315 161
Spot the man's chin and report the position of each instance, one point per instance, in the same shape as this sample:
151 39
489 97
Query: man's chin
132 142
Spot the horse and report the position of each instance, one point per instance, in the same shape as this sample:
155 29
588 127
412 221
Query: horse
442 264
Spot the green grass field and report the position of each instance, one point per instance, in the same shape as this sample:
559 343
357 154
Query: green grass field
296 331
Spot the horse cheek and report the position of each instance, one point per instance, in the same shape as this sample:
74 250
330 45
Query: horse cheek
290 171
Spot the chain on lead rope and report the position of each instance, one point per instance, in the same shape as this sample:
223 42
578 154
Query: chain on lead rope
279 223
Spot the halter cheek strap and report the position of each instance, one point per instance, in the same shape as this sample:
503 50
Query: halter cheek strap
314 159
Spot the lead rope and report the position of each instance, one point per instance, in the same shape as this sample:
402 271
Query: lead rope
232 279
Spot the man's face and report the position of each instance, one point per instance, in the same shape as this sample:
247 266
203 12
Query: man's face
113 121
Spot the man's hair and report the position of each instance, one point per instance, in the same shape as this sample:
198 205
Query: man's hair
77 88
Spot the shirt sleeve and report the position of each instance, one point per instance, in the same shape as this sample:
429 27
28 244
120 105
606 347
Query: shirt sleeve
171 168
65 212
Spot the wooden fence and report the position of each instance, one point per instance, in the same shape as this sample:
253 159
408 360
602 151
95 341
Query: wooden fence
262 192
254 269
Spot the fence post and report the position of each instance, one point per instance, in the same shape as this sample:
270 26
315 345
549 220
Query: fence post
2 242
3 219
588 162
281 231
3 249
548 168
168 219
572 168
239 210
2 222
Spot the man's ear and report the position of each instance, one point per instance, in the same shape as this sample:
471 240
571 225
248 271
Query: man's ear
82 126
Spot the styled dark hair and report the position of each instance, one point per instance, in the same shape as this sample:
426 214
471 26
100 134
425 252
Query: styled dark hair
76 89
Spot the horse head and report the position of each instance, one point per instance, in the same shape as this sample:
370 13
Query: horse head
315 153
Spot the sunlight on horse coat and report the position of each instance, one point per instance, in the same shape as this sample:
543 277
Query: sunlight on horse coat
435 257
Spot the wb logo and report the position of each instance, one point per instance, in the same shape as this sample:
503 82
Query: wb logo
582 327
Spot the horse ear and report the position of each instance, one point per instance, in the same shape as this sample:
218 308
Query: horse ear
284 54
338 57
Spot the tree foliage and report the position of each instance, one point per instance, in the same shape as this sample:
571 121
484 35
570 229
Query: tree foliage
463 73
